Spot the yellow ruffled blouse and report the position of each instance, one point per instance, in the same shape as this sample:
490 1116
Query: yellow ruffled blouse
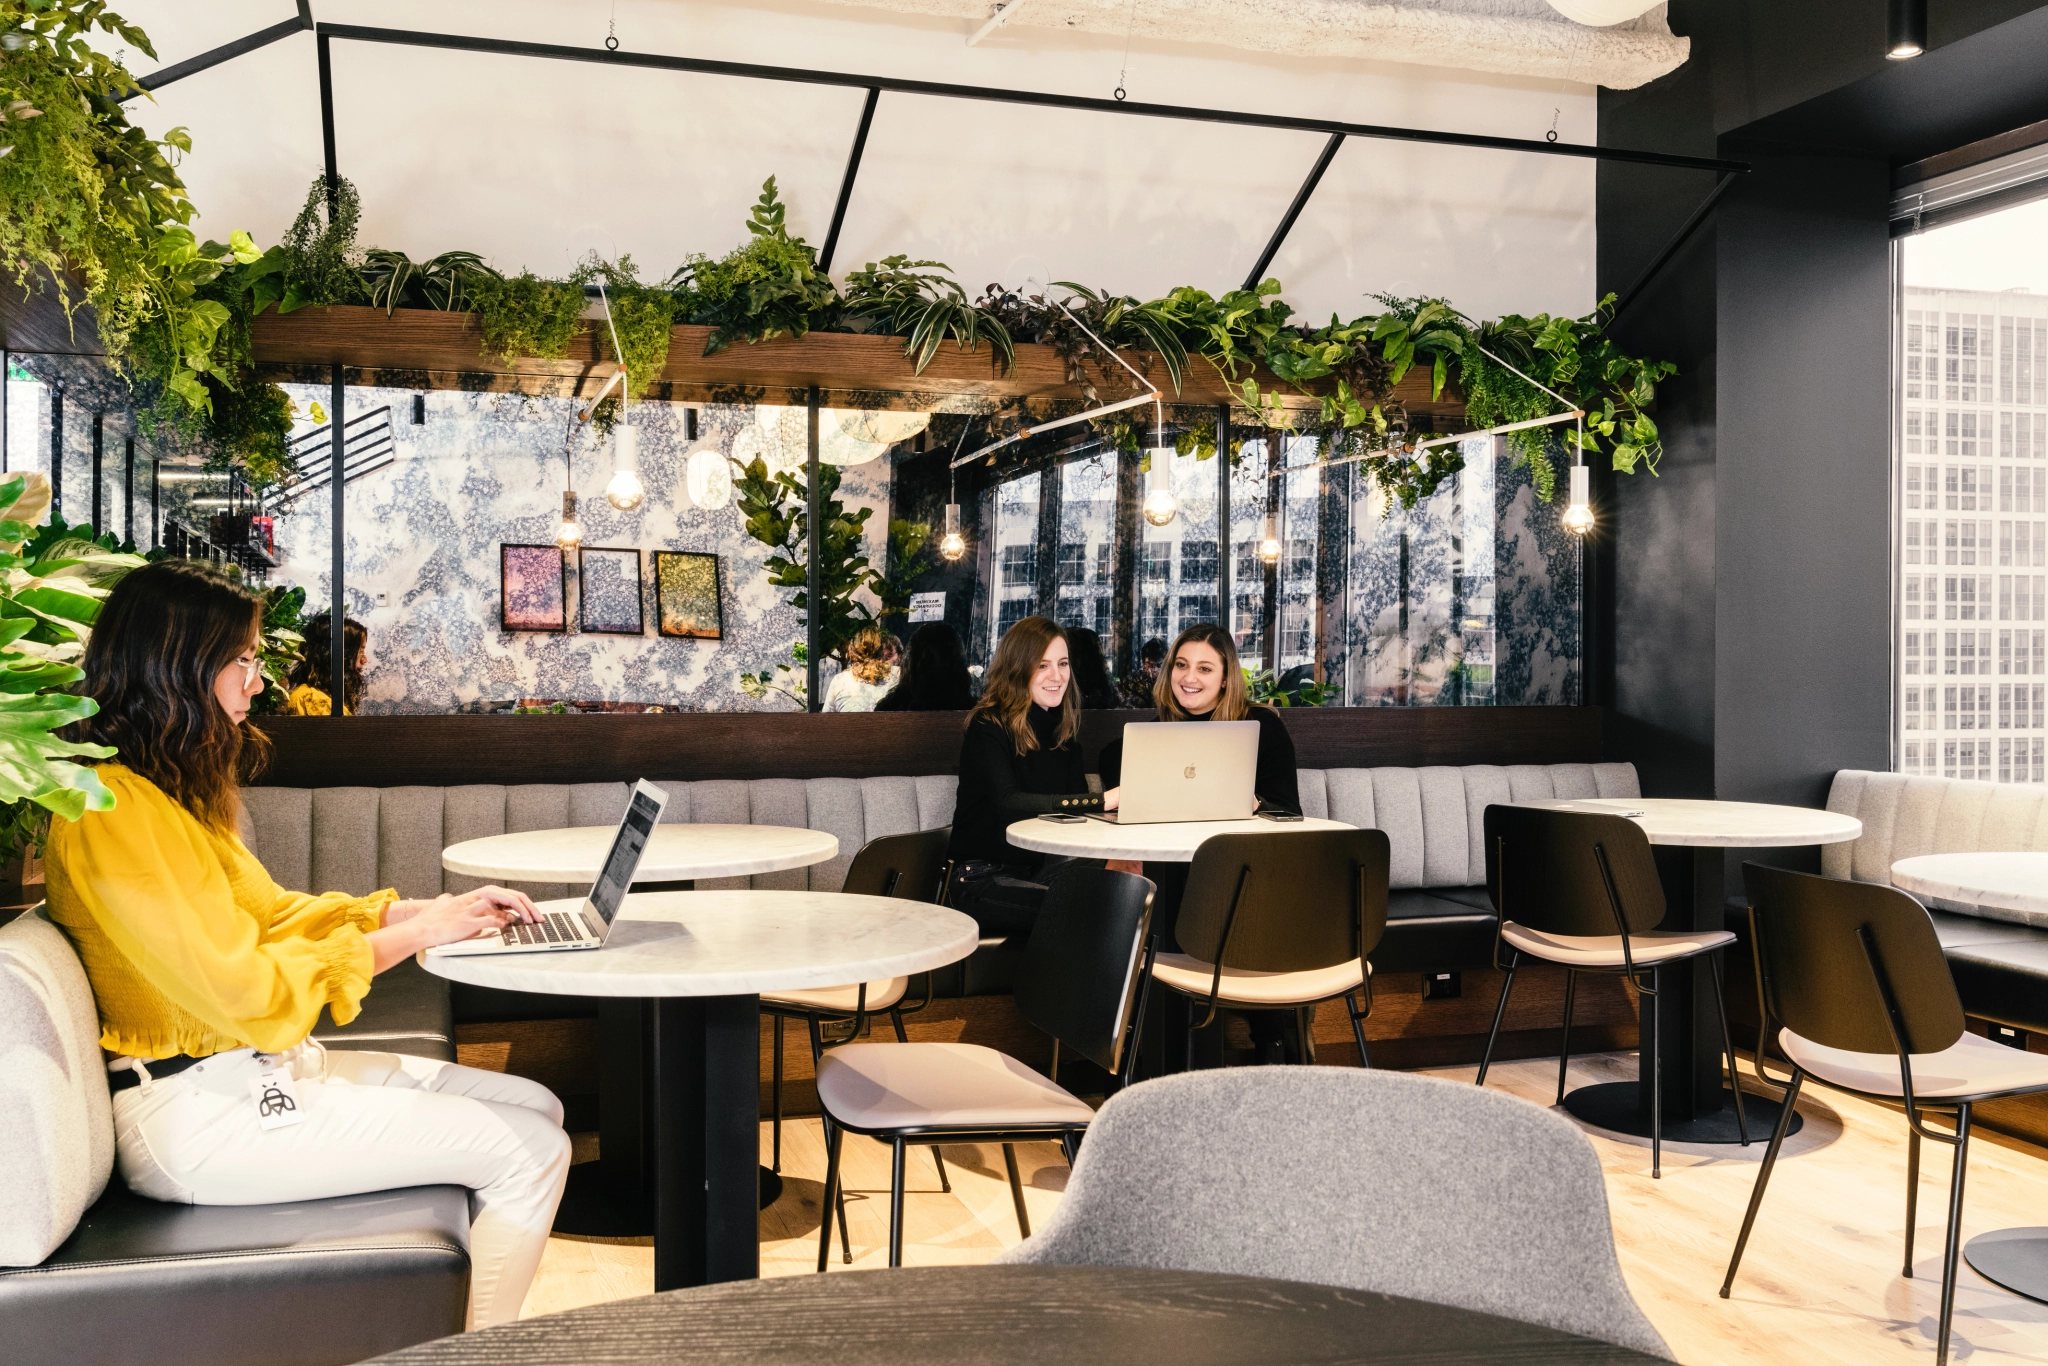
189 945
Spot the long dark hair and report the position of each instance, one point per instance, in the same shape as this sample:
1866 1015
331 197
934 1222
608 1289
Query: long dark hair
1232 704
162 638
1091 670
1006 695
316 662
935 676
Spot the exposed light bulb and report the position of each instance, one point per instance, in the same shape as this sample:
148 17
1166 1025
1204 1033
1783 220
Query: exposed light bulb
1160 506
1905 29
1269 544
625 491
1578 513
569 534
952 545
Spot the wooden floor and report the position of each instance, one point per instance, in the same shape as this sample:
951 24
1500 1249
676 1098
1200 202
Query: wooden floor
1820 1283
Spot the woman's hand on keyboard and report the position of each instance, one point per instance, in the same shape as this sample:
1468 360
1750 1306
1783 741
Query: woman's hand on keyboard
410 926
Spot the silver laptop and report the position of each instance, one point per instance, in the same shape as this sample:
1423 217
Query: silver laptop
1187 772
588 926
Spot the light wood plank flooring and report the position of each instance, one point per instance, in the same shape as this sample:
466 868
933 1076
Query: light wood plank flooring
1820 1283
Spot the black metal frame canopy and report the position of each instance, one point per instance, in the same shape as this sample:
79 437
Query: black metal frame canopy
1336 132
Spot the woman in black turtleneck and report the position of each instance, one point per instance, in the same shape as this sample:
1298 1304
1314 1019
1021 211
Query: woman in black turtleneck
1021 757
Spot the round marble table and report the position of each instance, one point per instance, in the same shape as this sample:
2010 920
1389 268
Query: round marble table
2016 1258
703 958
676 852
1016 1316
1680 1025
1165 841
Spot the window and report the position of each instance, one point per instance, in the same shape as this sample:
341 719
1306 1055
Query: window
2040 713
1073 564
2004 653
1020 566
1916 349
1197 565
1913 651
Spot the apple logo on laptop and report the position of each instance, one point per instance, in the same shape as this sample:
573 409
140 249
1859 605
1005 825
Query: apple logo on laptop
1188 772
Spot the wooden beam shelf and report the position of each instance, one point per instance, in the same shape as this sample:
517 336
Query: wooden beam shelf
428 349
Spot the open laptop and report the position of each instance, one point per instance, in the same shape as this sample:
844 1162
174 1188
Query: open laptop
588 926
1187 772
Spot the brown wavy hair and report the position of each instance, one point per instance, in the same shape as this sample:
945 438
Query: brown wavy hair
871 654
162 638
316 659
1006 692
1232 704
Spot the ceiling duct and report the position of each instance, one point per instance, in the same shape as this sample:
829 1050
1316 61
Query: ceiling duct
1616 43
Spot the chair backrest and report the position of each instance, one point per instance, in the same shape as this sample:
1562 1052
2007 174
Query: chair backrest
1571 872
1371 1180
1079 978
1285 900
1825 946
909 867
56 1122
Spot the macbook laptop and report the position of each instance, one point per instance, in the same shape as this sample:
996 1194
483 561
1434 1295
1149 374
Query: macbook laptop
590 924
1183 772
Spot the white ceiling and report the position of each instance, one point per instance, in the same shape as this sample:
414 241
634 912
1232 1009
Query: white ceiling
533 162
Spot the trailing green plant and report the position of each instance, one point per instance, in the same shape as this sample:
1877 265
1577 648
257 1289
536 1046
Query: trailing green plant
1261 685
912 553
445 282
525 315
322 264
767 286
280 646
922 303
644 316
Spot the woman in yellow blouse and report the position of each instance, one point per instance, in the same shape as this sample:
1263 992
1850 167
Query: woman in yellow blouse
209 977
313 672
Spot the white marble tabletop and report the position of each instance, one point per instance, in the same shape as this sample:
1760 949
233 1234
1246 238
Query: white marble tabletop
1717 825
2011 882
733 944
677 852
1166 841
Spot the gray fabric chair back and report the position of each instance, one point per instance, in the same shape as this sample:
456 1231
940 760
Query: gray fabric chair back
1824 943
1279 900
1371 1180
1571 872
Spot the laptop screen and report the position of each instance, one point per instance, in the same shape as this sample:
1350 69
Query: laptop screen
612 884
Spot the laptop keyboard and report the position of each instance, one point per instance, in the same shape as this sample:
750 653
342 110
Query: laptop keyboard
556 927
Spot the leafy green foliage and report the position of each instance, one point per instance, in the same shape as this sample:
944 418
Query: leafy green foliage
790 680
768 286
1262 686
524 315
917 301
445 282
282 644
321 262
912 551
644 317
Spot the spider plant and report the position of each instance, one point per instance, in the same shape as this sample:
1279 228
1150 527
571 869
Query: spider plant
445 282
919 302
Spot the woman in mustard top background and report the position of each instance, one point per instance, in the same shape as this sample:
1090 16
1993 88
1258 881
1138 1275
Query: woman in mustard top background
207 974
312 674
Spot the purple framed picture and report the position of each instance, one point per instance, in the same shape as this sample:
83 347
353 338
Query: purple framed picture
609 585
533 588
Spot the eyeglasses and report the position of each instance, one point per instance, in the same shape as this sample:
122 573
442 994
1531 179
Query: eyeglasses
250 665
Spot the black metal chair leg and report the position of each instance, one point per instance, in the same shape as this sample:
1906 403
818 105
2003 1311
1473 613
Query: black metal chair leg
776 1097
896 1018
1357 1030
1017 1189
945 1184
1955 1233
1564 1038
1728 1043
1763 1177
1500 1009
1912 1193
1070 1143
817 1040
896 1204
832 1137
1656 1081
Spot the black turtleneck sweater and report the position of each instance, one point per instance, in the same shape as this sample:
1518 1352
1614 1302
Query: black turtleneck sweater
999 786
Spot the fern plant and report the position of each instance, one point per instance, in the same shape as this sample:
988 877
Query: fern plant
768 286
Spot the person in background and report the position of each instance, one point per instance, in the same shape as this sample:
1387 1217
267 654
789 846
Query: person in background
314 673
208 977
934 675
869 674
1020 757
1139 687
1091 672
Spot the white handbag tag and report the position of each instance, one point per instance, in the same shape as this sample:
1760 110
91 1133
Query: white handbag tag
276 1096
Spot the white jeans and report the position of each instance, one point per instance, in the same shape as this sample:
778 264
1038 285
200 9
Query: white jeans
374 1121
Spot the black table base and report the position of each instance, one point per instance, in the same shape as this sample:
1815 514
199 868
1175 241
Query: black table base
1617 1106
592 1209
2014 1258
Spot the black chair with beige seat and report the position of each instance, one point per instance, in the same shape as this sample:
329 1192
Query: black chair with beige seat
1081 982
1854 976
1580 890
1281 920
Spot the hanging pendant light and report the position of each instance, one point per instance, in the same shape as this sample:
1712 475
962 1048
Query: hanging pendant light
1905 29
625 491
952 545
1578 513
569 534
1160 506
1269 544
707 476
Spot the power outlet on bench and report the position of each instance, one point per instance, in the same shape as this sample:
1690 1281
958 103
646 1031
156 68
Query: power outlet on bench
2010 1037
1444 986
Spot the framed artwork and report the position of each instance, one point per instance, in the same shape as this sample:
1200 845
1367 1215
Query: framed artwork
686 595
533 590
610 584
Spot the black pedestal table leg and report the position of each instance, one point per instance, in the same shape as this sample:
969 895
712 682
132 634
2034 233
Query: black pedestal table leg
613 1197
707 1080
